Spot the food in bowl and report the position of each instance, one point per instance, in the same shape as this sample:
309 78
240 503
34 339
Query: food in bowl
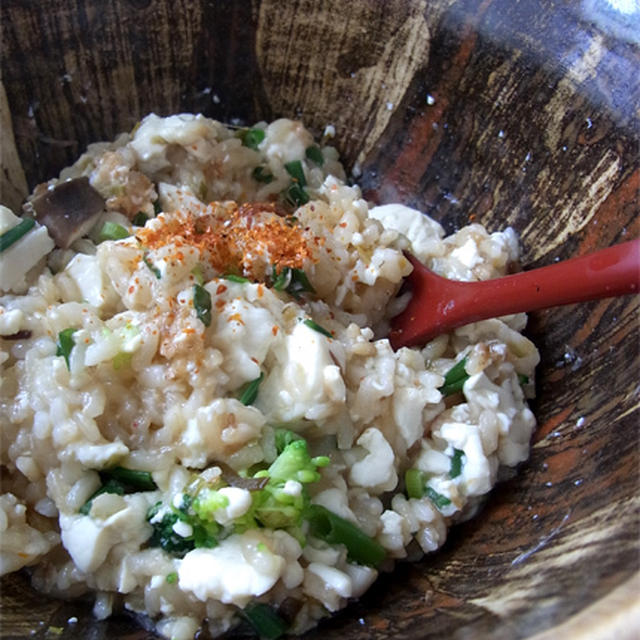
203 420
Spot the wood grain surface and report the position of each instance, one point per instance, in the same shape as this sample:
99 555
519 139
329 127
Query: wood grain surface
501 112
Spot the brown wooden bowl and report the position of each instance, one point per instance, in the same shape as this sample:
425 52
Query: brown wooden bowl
507 113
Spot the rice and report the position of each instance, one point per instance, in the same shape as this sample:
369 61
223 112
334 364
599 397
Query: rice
227 355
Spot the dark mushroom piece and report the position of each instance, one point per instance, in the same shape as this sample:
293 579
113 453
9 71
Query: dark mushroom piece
69 210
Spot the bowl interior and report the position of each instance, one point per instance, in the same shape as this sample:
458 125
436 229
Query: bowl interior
521 114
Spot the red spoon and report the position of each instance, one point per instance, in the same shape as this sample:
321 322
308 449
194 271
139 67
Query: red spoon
439 305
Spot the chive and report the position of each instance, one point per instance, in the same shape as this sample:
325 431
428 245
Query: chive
523 379
196 272
65 344
252 138
130 478
140 219
265 621
232 277
156 207
455 378
456 463
156 272
111 486
295 170
250 390
282 279
333 529
112 231
315 155
316 327
295 195
262 175
172 577
15 233
437 498
414 483
202 304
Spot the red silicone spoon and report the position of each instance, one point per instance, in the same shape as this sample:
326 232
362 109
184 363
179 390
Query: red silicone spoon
439 305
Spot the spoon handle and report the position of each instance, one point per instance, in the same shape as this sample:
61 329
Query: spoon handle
439 305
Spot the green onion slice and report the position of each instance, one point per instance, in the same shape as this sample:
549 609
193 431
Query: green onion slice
252 138
295 195
111 486
316 327
112 231
523 378
202 304
437 498
156 272
315 155
414 483
14 234
265 621
455 378
333 529
140 219
260 174
196 272
65 344
456 463
172 577
232 277
295 170
131 478
250 390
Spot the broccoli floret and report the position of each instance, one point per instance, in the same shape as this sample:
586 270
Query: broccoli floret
207 502
295 463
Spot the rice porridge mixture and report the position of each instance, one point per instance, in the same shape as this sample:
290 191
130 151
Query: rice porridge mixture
202 420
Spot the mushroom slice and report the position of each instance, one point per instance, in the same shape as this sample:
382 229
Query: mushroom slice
69 210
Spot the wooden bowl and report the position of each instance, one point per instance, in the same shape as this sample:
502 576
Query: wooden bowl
522 114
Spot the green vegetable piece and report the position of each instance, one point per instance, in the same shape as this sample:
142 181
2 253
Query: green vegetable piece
437 498
455 378
315 155
250 390
122 359
456 463
202 304
131 478
291 220
282 279
523 378
415 483
111 486
65 344
140 219
164 536
295 195
172 577
316 327
252 138
207 502
156 207
196 272
296 171
294 463
14 234
112 231
232 277
154 269
260 174
265 621
285 437
333 529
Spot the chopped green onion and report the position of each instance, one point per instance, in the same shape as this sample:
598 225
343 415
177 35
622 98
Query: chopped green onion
250 392
140 219
455 378
293 281
265 621
262 175
295 195
111 486
295 170
437 498
333 529
156 206
414 483
131 478
122 359
202 304
172 577
315 155
523 378
156 272
280 280
65 344
112 231
196 272
252 138
456 463
316 327
14 234
232 277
